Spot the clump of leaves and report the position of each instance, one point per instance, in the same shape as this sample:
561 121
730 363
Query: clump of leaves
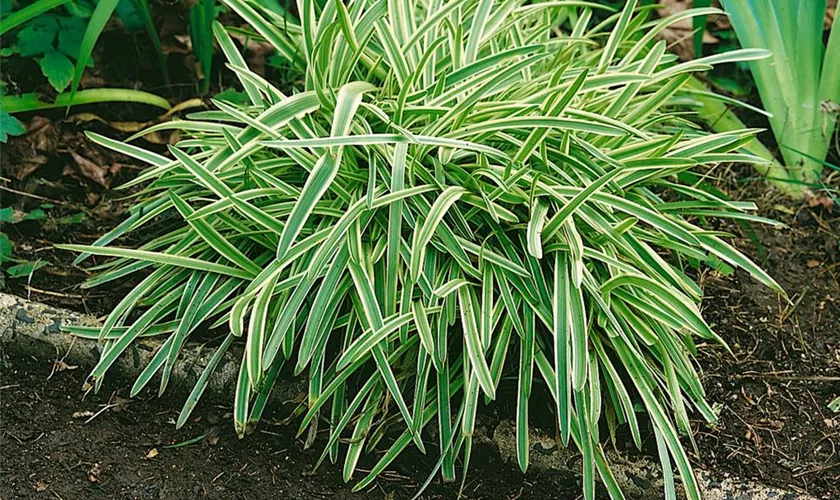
56 37
455 189
799 84
10 126
53 40
17 268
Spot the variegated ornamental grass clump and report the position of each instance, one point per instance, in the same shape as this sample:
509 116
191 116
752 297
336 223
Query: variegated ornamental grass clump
454 192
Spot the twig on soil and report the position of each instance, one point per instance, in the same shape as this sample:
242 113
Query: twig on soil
745 457
59 497
60 362
100 412
30 195
14 437
816 469
778 376
828 268
792 306
62 295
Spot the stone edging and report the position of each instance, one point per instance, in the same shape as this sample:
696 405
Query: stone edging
640 478
32 329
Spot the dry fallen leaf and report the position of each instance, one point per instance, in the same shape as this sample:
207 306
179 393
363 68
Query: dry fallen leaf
28 165
257 53
102 175
28 153
152 453
812 263
41 486
821 201
126 127
679 35
43 135
118 403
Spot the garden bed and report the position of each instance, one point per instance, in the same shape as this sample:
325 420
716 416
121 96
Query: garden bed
57 441
775 426
52 443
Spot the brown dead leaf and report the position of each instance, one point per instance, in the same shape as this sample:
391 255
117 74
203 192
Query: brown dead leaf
185 42
41 486
257 53
102 175
152 453
91 80
126 127
119 403
679 35
92 198
812 263
42 134
28 153
163 138
821 201
160 137
29 164
772 424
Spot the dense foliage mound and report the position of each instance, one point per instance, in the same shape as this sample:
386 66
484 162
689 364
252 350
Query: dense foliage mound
448 188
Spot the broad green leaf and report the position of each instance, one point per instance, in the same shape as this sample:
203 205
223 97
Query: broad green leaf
58 69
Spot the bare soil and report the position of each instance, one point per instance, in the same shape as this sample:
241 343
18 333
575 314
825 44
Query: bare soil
774 422
58 443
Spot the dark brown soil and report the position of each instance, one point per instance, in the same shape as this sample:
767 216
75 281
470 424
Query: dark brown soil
58 443
774 422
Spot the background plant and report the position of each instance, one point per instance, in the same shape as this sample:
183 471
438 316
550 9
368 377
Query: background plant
55 32
799 83
453 190
57 38
62 40
12 266
58 32
10 126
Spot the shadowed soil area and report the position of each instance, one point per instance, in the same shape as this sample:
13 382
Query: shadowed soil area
58 443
